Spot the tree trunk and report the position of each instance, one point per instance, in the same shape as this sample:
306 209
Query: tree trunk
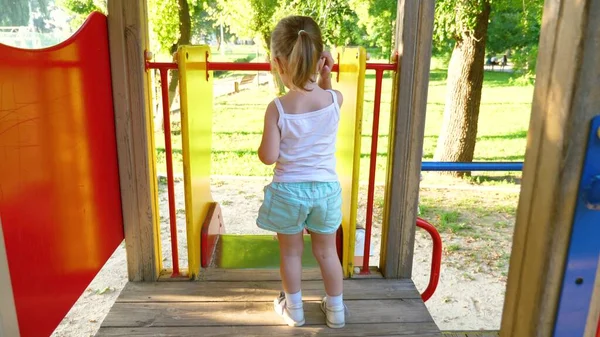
278 85
465 80
185 32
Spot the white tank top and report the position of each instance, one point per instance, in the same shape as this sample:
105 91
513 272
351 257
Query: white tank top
307 147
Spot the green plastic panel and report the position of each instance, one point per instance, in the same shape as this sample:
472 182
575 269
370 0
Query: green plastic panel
254 252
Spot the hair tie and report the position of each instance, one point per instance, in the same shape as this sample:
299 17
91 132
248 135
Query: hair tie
301 31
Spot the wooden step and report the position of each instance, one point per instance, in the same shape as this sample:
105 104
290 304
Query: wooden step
377 307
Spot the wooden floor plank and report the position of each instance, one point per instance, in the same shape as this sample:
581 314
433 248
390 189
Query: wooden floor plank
257 313
217 274
238 307
261 291
471 333
350 330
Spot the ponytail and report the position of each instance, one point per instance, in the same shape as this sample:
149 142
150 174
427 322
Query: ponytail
297 41
303 60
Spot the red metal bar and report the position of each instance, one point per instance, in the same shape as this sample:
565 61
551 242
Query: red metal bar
263 66
372 169
161 65
238 66
169 159
436 258
382 66
235 66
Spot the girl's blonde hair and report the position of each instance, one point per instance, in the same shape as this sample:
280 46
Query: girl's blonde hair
298 41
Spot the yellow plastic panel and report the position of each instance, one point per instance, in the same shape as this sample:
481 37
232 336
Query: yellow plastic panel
196 130
352 64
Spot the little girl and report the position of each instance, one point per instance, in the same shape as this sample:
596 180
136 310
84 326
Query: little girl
299 137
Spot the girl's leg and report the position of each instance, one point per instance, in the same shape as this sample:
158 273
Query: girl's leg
290 266
289 302
325 251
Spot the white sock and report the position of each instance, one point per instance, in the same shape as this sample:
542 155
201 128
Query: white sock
335 301
294 300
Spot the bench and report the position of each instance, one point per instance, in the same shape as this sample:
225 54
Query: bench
500 63
246 79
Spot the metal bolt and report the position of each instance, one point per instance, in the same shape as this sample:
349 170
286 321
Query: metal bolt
592 194
148 55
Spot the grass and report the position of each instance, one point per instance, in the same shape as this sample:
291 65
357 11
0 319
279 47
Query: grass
238 121
476 226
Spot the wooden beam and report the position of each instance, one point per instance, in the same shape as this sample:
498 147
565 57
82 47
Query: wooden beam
470 333
566 97
414 29
593 320
9 325
128 35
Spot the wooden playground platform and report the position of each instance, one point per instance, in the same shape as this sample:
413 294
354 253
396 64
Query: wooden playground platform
227 303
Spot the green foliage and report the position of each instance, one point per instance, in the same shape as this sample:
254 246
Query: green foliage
164 22
525 62
514 26
235 15
378 19
80 9
18 13
84 7
203 24
262 20
455 19
14 13
337 19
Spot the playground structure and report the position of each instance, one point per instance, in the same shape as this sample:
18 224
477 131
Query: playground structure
49 134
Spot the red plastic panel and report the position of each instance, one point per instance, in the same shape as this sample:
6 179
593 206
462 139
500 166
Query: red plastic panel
211 229
59 185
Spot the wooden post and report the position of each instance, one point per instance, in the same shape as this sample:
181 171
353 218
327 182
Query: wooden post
414 30
9 325
593 320
128 35
566 97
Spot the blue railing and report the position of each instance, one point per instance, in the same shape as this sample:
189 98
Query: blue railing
475 166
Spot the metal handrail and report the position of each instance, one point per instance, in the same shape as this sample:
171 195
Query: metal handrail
436 258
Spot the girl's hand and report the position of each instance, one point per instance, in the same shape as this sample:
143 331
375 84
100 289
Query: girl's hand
326 62
325 66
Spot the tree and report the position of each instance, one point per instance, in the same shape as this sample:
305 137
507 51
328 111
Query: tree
336 18
465 22
515 26
171 22
378 18
19 13
80 9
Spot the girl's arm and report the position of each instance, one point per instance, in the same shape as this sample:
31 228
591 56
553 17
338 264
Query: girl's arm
325 66
268 151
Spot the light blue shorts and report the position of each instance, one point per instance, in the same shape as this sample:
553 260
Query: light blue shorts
288 208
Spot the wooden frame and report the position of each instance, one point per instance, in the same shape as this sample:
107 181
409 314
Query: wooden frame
566 98
9 324
414 32
593 320
128 35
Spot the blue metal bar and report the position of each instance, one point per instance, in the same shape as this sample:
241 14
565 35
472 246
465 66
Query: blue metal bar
584 246
476 166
